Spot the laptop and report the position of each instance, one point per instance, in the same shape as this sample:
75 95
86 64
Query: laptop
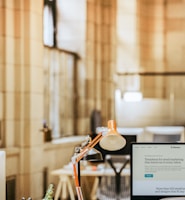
157 170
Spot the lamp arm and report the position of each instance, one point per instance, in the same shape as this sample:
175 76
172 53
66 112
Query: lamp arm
76 158
77 185
91 144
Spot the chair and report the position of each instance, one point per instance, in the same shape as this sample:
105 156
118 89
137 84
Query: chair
166 133
117 185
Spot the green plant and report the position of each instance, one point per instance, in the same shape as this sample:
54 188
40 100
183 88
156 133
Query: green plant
49 193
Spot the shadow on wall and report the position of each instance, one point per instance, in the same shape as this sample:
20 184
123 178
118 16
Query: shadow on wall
96 120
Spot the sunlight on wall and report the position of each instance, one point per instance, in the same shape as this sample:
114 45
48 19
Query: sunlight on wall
132 96
148 112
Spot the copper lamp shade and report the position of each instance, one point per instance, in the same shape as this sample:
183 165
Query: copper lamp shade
112 140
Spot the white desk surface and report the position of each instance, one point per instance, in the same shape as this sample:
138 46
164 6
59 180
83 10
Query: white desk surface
170 130
123 130
130 131
89 171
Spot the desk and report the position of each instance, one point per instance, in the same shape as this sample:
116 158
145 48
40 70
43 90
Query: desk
167 133
65 184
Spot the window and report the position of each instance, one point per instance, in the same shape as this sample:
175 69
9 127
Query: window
49 23
64 30
64 25
59 92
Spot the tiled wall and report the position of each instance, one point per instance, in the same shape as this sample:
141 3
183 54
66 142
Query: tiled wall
100 58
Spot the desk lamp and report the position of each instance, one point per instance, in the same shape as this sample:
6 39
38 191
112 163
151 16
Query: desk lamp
92 155
110 140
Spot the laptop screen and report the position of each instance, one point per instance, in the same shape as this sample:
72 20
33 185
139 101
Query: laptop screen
157 170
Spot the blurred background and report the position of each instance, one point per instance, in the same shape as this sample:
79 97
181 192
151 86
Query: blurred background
69 66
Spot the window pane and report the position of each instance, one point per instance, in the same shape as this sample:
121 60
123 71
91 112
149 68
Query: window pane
59 92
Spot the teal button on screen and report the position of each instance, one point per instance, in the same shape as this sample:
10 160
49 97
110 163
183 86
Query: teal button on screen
149 175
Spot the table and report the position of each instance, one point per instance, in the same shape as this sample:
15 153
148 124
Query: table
170 131
65 184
